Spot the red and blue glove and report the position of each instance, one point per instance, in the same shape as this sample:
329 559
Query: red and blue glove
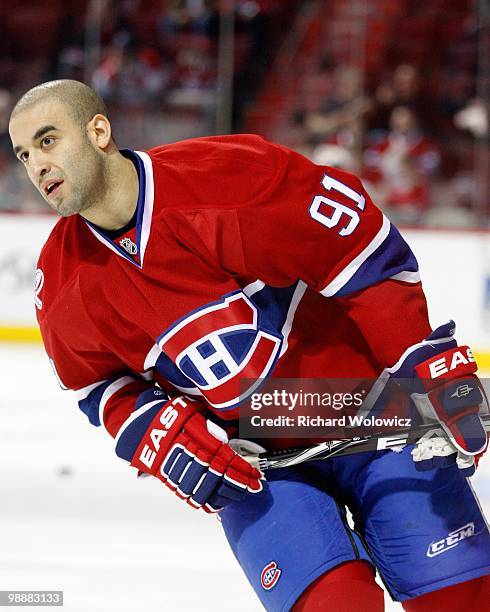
172 441
445 390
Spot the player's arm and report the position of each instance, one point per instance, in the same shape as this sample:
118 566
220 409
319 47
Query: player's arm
168 438
439 375
380 289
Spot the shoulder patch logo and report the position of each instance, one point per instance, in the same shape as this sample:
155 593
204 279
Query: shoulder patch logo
129 246
38 285
270 575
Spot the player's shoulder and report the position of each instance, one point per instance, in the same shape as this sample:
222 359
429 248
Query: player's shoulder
54 239
241 148
216 171
68 248
66 231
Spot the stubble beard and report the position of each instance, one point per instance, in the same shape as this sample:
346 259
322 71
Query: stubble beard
91 183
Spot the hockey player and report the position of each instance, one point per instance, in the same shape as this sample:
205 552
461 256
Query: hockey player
200 264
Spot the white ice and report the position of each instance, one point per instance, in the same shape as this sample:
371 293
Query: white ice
74 518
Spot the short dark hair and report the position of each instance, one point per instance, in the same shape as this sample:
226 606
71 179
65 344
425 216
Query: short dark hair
80 100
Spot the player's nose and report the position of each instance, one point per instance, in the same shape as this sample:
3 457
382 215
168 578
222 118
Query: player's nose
38 167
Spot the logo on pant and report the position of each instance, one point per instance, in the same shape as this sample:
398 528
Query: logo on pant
451 540
270 575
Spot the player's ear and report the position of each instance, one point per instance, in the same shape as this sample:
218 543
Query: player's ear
99 131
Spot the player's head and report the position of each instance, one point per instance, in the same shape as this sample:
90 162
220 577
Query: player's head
61 134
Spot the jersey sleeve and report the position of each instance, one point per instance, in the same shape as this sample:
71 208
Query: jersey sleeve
108 391
309 222
391 316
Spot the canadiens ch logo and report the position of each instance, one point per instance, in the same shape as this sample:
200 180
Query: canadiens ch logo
38 285
129 246
222 349
270 575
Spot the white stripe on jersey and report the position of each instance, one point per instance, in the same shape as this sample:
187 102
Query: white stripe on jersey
406 277
414 347
151 359
83 393
254 287
293 306
110 391
148 204
348 272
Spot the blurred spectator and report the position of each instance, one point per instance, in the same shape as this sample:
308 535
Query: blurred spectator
195 69
404 140
335 156
71 62
403 89
184 16
131 78
175 18
5 144
474 118
339 117
401 165
194 80
315 87
457 90
405 195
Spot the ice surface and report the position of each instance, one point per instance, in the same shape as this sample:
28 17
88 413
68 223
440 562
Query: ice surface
74 518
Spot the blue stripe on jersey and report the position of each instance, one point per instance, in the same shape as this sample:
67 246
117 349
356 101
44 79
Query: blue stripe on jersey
90 405
132 435
391 257
151 395
273 304
140 206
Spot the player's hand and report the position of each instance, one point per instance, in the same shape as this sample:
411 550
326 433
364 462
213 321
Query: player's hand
446 391
434 452
191 456
453 398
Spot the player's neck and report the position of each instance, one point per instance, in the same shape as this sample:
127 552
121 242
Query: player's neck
118 203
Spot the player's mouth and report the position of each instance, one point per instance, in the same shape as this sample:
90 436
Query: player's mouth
52 187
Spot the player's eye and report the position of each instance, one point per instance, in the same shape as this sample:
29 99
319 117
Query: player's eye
23 157
47 141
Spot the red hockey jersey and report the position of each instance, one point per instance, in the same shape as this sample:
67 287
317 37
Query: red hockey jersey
247 261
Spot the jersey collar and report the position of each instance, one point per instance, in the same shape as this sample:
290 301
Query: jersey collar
144 210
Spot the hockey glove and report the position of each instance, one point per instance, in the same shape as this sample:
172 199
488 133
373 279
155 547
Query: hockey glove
445 391
189 454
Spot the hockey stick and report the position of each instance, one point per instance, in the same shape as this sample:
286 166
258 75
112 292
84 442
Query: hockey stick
339 448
